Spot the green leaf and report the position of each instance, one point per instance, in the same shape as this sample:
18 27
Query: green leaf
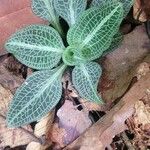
85 79
117 39
93 32
45 10
36 97
37 46
127 4
70 10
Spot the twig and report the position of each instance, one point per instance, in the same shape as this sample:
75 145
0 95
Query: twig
36 139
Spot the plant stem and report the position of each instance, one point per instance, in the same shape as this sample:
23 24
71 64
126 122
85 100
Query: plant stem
58 27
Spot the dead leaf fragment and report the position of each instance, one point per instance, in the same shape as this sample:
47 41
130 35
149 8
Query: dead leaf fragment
34 146
72 122
142 113
139 123
142 69
141 10
9 74
41 131
57 135
5 98
119 66
42 127
100 135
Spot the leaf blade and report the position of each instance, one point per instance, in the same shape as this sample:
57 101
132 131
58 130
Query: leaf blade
96 35
37 46
37 95
85 78
127 4
116 41
70 10
45 10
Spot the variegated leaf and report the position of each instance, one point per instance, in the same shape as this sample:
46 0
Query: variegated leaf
36 97
116 41
85 79
93 32
70 10
127 4
37 46
45 10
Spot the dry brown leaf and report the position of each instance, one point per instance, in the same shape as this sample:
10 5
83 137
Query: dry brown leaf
5 97
137 11
44 124
67 84
10 137
139 123
9 74
36 146
57 134
142 113
72 121
142 69
90 106
141 10
119 66
100 135
41 131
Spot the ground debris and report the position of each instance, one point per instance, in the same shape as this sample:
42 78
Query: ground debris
100 135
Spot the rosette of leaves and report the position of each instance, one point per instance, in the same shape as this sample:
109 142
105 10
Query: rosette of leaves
41 47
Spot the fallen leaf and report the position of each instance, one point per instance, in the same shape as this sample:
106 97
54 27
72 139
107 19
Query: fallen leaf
142 113
10 137
14 14
141 10
139 123
41 131
9 74
100 135
57 135
142 69
5 97
44 124
90 106
119 66
34 146
72 122
69 120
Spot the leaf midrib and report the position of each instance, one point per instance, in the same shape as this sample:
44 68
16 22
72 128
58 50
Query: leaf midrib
88 78
45 86
37 47
91 34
